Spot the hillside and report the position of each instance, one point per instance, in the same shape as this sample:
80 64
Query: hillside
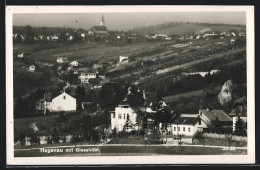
187 28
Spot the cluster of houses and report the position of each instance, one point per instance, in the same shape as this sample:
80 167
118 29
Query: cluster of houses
85 75
183 124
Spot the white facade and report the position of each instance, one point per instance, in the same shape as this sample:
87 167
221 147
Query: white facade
59 60
63 102
20 55
118 118
74 63
84 77
31 68
187 129
123 59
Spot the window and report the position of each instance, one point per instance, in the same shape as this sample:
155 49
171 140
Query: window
124 115
183 129
114 115
174 128
189 129
178 128
64 97
119 116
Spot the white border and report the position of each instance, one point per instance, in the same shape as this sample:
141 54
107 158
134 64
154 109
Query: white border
175 159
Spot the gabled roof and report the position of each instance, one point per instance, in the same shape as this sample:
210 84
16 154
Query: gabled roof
214 115
186 120
100 28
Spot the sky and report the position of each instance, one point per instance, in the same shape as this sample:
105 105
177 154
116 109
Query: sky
125 21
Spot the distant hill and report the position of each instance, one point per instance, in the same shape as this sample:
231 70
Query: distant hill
180 28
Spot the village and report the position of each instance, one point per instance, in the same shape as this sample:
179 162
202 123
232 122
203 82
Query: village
141 97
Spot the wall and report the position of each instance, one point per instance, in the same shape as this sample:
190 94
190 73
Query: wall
61 104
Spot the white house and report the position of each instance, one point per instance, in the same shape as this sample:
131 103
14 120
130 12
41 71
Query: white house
187 125
62 59
54 38
123 60
74 63
84 77
31 68
20 55
63 102
119 116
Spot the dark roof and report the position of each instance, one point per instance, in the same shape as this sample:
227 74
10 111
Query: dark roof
100 28
95 81
186 120
239 111
240 102
125 101
151 97
213 115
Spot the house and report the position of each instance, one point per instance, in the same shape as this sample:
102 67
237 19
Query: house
63 102
216 116
54 38
187 125
85 76
62 59
97 66
31 68
44 104
119 116
123 60
20 55
74 63
82 35
232 40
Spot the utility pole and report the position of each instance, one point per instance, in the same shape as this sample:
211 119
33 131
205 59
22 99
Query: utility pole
81 124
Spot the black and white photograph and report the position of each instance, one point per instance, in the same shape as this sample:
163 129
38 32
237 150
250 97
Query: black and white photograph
130 84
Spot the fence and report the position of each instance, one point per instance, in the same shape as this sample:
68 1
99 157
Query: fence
223 136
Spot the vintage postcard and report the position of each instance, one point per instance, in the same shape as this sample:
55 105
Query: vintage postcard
96 85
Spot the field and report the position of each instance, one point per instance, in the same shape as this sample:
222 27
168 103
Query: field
90 51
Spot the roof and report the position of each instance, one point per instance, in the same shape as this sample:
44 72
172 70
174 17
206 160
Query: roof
186 120
151 97
100 28
86 70
46 97
125 101
239 111
214 115
240 102
95 81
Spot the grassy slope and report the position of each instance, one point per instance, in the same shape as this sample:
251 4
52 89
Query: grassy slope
190 28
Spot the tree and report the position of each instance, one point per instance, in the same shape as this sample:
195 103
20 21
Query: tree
80 95
128 124
240 128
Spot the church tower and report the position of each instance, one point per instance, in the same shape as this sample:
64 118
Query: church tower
102 23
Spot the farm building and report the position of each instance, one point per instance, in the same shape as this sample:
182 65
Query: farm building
187 124
20 55
85 76
213 116
123 60
62 59
63 102
31 68
74 63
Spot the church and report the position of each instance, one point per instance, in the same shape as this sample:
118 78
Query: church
101 30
